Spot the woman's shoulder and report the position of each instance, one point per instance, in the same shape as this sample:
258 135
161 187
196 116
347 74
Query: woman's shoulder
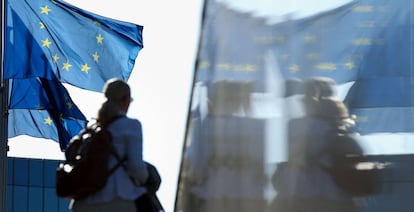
310 124
309 121
125 123
129 120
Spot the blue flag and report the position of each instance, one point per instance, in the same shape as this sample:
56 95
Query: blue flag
366 46
366 42
42 108
46 38
365 39
229 49
48 43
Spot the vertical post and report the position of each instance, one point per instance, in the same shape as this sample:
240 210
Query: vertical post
3 144
179 195
4 92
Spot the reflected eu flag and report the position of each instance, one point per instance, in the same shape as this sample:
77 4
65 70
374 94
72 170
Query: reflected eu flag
46 38
228 48
366 42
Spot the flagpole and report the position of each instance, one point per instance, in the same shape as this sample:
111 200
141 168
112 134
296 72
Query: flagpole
4 91
188 122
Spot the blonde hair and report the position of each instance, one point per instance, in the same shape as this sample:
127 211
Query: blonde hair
115 91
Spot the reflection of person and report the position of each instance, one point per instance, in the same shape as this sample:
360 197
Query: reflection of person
311 188
224 169
120 191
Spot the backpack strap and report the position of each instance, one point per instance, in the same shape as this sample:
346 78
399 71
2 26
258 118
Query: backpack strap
119 159
120 163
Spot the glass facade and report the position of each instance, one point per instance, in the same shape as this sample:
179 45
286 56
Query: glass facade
31 186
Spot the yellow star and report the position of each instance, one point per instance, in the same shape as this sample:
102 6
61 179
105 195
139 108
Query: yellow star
85 68
203 64
42 25
66 66
46 43
99 39
362 42
294 68
55 58
70 105
48 121
223 66
250 68
45 10
95 57
349 65
309 38
326 66
363 8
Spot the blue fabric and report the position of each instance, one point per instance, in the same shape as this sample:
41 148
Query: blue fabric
43 108
46 38
366 42
353 42
229 48
48 43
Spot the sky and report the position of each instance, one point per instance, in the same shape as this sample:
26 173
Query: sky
161 81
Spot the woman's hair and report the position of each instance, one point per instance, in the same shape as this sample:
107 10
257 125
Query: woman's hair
314 89
115 91
318 87
333 109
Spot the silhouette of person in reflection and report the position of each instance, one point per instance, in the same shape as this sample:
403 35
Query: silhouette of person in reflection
301 183
224 161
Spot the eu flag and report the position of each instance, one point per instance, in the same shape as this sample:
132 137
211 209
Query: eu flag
366 46
42 108
48 43
229 49
367 43
46 38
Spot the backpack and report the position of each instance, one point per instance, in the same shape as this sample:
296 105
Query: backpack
85 170
149 201
350 170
